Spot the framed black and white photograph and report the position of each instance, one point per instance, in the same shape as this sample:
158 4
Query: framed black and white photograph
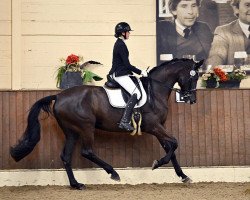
208 15
215 31
163 8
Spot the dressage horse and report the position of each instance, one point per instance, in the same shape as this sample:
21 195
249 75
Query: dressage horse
82 109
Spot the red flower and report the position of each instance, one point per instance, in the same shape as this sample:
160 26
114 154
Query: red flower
72 59
221 74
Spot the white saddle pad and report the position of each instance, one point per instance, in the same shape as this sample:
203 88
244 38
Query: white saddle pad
116 99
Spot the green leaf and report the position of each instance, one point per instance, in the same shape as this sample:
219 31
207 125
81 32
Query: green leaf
89 76
203 83
61 70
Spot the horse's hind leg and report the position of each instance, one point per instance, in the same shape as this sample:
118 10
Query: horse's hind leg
66 157
87 152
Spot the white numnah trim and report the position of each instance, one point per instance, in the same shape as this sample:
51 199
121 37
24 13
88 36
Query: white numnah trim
116 99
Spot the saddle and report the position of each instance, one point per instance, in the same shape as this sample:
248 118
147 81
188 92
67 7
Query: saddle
118 96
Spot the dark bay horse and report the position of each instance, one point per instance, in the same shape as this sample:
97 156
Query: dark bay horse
82 109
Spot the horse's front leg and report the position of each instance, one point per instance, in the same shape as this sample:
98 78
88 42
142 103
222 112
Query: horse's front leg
169 144
178 170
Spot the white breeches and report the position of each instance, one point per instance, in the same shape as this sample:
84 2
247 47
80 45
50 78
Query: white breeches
128 85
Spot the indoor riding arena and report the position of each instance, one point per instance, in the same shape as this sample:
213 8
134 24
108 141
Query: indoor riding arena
212 130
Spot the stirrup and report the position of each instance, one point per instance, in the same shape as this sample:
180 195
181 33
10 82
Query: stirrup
126 126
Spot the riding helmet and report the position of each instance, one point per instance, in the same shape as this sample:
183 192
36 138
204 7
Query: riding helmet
121 27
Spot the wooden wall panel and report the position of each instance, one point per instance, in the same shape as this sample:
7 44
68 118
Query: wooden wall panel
208 129
221 127
212 132
240 127
5 129
214 127
245 158
201 129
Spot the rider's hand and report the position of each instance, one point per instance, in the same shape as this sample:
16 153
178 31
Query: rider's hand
144 73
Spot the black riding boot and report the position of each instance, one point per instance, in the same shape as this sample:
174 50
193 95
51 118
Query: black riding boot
126 118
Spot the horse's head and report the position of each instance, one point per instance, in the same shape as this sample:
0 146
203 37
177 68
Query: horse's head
183 71
187 80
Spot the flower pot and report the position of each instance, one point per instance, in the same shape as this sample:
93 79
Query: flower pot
230 84
70 79
211 83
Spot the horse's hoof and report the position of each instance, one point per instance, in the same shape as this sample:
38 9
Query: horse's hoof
115 176
186 180
155 164
78 186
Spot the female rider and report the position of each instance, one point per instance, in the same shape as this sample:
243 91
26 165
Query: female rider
122 69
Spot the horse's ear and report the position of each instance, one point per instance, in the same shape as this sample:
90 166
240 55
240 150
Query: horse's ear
199 64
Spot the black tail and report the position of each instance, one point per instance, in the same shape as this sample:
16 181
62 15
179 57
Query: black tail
31 135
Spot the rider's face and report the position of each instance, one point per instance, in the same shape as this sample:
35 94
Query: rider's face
126 35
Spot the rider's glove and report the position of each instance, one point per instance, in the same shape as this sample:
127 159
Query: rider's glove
144 73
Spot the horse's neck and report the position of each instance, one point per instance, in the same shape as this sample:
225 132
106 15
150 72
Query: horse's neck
167 79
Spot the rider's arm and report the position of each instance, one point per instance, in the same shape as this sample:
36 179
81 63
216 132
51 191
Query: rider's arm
124 57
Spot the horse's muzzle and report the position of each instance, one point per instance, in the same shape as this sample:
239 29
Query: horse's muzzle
190 97
192 102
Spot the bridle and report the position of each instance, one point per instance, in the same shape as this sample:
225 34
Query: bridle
191 86
185 93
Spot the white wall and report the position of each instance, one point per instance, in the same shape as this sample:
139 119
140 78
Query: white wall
5 44
43 31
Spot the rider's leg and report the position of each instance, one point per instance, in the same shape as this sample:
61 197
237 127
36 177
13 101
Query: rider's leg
129 86
126 118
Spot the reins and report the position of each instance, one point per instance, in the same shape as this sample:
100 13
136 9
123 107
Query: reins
164 84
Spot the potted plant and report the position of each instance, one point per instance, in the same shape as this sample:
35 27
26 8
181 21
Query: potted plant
213 78
234 79
218 78
72 72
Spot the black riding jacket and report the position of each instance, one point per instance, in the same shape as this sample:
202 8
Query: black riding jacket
120 63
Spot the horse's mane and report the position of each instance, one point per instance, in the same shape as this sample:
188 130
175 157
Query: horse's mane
145 80
168 63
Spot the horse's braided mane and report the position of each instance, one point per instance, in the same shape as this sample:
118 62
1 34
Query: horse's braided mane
168 63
